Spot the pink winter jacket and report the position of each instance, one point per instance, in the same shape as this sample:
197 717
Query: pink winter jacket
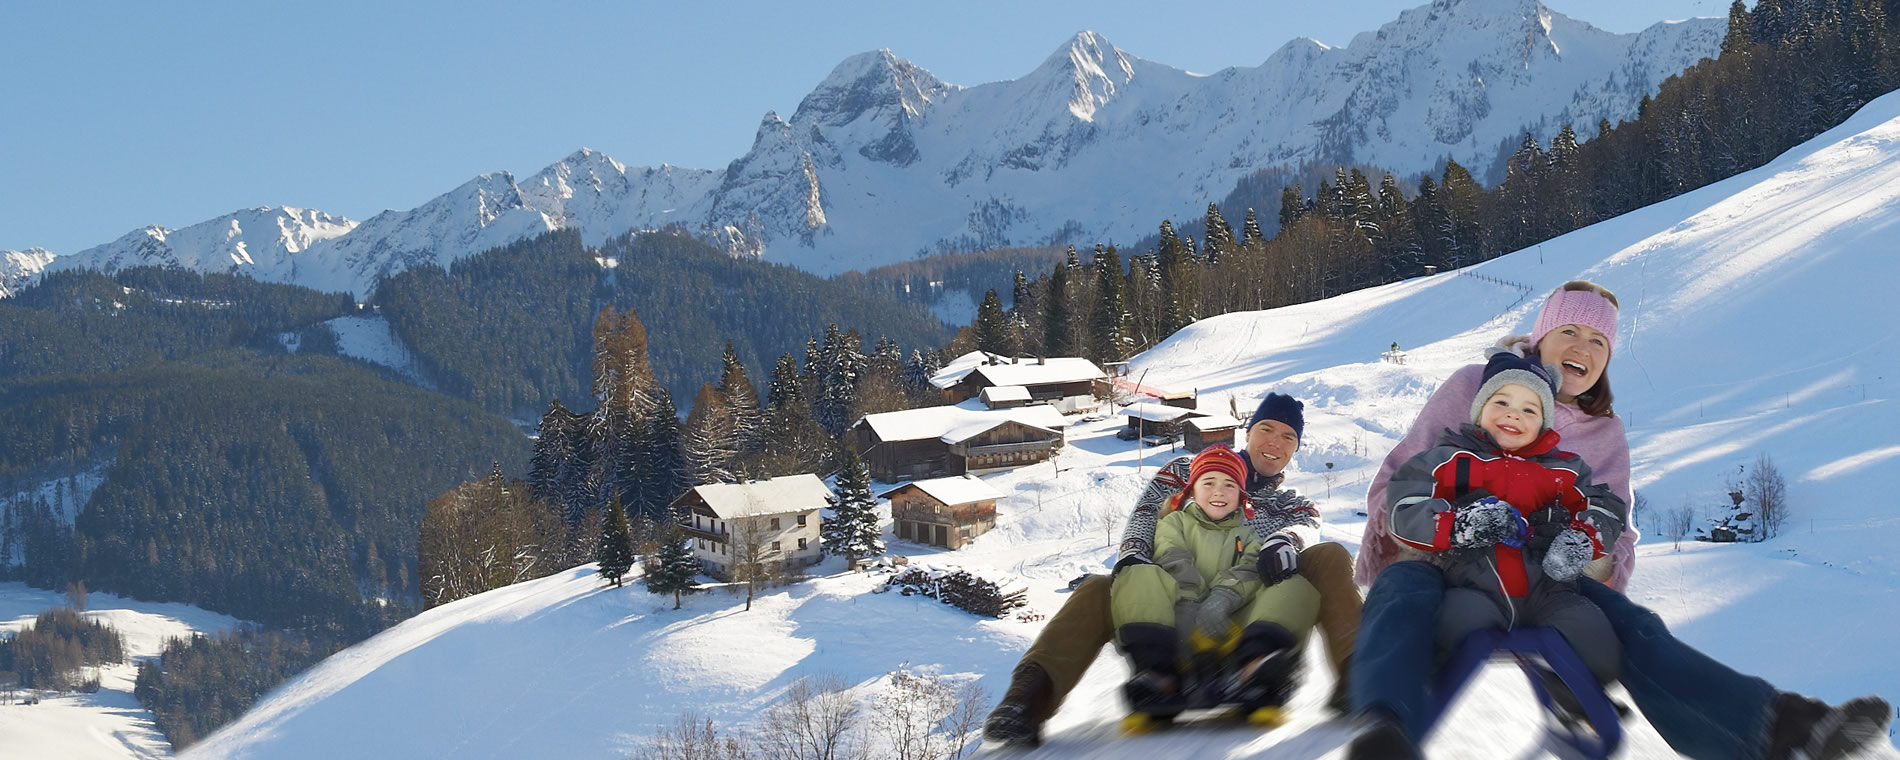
1600 441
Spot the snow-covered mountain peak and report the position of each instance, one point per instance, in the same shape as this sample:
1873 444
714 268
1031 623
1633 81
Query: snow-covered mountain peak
1092 66
20 268
262 242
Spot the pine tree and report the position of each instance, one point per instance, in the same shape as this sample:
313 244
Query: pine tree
853 531
711 438
666 475
739 394
615 552
1220 236
793 441
992 326
674 570
1460 236
840 365
1108 319
1292 205
1250 230
1057 313
553 463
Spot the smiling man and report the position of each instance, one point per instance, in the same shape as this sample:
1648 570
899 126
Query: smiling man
1288 526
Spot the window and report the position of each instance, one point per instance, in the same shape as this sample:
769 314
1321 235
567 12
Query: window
801 522
775 525
775 545
801 544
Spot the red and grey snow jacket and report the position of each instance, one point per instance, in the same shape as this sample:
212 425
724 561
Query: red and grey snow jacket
1551 490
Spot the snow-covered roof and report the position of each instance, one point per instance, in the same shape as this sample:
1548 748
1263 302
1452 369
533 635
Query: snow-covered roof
1214 422
962 489
953 373
1062 369
1007 371
790 493
939 421
1154 412
998 393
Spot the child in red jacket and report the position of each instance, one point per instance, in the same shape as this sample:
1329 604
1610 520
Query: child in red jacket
1510 518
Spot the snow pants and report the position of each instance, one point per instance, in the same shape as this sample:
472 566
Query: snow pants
1075 635
1550 603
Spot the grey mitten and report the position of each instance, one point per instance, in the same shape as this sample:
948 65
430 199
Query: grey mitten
1569 552
1484 522
1217 609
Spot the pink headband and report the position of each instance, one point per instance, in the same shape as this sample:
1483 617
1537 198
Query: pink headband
1576 307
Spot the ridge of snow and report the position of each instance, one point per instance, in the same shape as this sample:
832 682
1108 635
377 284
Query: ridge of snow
18 269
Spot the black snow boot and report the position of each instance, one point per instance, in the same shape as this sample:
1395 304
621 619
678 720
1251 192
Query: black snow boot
1030 700
1270 667
1809 729
1381 738
1151 650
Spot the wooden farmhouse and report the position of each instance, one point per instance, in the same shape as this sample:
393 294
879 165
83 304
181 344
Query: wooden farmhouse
1067 382
946 512
941 441
779 516
1201 432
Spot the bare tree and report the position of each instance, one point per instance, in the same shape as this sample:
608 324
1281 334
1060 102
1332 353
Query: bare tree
755 552
817 720
1676 523
692 738
76 596
1765 487
924 717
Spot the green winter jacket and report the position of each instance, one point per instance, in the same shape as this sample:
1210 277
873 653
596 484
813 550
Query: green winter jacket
1201 553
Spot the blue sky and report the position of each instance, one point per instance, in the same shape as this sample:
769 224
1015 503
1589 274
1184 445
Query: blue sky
118 115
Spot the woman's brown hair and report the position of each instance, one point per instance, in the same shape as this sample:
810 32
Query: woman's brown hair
1596 401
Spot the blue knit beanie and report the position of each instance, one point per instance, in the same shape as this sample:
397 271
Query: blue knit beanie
1281 408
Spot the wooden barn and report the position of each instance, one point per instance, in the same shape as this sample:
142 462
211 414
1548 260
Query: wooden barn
940 441
946 512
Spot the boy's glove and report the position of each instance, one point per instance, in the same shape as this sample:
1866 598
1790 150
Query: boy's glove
1215 618
1484 522
1569 552
1279 559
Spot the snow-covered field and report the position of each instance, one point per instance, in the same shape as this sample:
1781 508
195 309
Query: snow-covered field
110 724
1756 319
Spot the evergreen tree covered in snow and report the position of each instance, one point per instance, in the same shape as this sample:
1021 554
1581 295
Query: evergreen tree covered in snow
1058 312
853 532
739 394
711 438
992 326
667 474
673 569
1108 317
615 552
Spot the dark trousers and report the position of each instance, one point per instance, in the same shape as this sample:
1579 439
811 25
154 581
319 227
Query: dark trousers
1704 709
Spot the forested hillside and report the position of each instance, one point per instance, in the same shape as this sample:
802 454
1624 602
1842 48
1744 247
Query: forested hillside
281 489
511 329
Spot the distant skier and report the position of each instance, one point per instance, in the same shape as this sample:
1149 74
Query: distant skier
1205 590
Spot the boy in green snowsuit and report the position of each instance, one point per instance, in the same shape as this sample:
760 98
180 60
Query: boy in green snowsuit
1206 581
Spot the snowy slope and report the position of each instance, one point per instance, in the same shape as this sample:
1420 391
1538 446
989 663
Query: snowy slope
19 268
1094 145
108 725
1735 297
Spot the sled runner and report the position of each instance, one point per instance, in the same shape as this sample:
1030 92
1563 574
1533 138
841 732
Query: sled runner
1595 734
